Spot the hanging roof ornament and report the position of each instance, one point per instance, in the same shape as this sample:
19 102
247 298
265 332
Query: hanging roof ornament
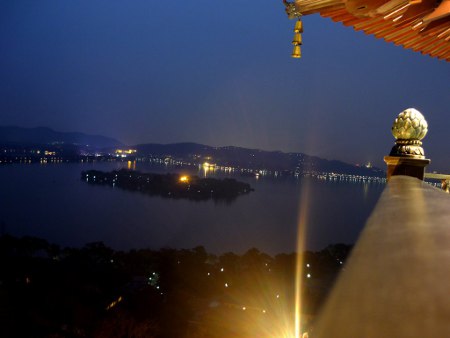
294 13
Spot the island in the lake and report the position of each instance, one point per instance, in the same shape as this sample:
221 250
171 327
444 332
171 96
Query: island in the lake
169 185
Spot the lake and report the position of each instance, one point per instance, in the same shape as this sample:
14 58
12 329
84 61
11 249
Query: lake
52 202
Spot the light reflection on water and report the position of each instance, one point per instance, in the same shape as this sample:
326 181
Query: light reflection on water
52 202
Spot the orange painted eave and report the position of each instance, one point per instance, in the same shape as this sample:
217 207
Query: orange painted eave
432 39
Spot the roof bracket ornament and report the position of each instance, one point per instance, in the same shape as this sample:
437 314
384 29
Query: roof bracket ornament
293 12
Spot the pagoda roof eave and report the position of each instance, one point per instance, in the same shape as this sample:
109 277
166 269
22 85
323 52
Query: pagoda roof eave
420 25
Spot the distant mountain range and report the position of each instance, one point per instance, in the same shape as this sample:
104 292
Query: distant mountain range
43 135
189 152
252 158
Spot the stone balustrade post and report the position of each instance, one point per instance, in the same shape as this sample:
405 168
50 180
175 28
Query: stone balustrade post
407 156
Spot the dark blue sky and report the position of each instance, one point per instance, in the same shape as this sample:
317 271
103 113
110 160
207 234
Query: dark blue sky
214 72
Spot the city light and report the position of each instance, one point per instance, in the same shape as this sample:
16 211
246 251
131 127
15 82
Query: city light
126 151
184 179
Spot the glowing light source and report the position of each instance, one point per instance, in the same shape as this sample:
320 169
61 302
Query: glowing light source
126 151
131 165
184 179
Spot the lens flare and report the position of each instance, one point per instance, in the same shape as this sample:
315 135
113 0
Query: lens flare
301 234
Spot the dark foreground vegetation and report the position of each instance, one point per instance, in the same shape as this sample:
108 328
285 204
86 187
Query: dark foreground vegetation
169 185
48 291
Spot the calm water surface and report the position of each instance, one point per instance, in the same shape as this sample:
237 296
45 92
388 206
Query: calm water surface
51 201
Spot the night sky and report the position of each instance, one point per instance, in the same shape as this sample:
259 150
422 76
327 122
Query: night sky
214 72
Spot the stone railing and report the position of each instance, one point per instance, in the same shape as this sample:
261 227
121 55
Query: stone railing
396 282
